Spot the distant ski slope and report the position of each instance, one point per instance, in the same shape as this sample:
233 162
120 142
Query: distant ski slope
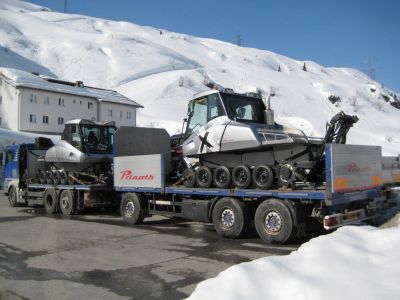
163 71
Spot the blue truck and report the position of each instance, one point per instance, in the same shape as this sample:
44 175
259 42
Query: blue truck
359 184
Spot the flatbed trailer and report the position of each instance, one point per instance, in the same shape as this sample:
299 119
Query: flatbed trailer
20 166
358 185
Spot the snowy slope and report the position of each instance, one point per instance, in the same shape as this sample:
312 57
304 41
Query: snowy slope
352 263
162 70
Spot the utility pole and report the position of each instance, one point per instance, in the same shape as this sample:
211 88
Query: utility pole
370 68
65 6
239 39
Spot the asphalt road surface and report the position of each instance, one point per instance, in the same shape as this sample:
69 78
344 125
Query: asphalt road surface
97 256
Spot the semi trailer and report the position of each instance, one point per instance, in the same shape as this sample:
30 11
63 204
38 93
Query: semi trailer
234 166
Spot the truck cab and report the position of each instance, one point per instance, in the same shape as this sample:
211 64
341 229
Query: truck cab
11 167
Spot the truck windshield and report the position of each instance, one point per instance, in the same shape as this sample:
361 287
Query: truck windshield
97 139
244 109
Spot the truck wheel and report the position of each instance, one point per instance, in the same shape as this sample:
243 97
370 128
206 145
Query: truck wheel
204 177
263 177
12 197
231 218
132 209
67 202
222 177
241 176
56 177
50 201
273 222
63 177
49 177
189 178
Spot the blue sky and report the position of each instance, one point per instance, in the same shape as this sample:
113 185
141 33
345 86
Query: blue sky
361 34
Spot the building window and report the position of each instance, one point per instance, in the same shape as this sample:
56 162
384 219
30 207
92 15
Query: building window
46 100
32 118
74 101
90 105
33 98
45 119
60 120
1 99
0 120
110 112
80 102
61 101
129 115
120 114
1 82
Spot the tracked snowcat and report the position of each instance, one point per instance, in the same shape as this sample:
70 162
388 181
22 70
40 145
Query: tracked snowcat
232 140
84 153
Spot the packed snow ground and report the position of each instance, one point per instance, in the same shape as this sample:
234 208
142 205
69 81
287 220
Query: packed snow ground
352 263
162 70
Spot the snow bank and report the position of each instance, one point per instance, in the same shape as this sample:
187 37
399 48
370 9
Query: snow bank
351 263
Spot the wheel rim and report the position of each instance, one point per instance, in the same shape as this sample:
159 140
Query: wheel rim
227 218
129 209
49 201
203 176
65 203
222 178
273 222
12 197
262 176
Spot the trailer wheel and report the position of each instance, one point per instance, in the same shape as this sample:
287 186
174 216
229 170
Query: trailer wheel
204 177
231 218
273 221
132 209
12 197
56 177
241 176
63 177
49 177
263 177
189 178
67 202
222 177
50 201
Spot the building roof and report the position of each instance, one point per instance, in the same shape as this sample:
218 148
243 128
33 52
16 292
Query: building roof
20 78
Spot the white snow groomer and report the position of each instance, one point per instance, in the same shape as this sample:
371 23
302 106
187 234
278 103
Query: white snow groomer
83 154
232 140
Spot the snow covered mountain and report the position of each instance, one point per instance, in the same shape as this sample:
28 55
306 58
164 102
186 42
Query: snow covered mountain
162 70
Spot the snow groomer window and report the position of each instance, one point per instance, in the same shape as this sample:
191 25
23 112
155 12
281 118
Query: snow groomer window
198 115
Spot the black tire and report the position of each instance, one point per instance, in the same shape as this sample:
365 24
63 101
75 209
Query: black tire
50 201
222 177
241 176
67 202
274 222
133 208
56 177
204 177
42 177
63 177
49 177
70 180
263 177
231 218
13 197
189 178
